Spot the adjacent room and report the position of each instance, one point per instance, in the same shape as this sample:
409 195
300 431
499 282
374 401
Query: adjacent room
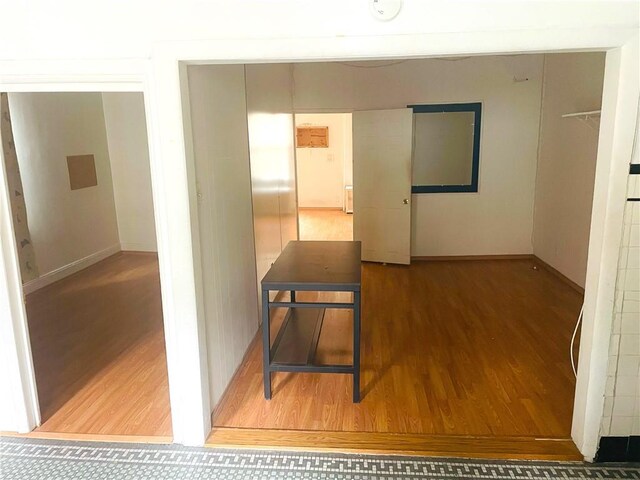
79 176
324 176
471 186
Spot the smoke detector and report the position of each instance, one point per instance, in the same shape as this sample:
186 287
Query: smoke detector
385 10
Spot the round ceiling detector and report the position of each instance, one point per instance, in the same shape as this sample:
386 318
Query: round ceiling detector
385 9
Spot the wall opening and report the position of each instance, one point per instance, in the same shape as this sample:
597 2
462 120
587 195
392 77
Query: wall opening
486 241
324 176
90 272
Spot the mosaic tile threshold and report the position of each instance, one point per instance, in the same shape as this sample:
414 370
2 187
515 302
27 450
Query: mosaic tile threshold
38 459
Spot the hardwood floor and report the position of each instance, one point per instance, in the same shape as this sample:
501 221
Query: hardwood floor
97 341
464 358
476 348
318 224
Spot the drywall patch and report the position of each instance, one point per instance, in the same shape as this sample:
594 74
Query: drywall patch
82 171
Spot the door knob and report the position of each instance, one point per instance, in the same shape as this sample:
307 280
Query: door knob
405 201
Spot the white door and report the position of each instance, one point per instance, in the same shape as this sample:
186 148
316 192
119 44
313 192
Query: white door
382 147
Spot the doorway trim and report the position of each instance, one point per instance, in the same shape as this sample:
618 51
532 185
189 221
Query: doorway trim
343 173
614 152
90 76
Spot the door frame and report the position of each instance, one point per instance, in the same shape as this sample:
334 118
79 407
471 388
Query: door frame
316 111
173 180
618 120
90 76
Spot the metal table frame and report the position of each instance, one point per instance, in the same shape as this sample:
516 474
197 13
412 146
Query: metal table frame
270 353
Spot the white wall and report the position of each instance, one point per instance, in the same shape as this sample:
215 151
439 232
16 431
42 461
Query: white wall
66 226
129 153
7 411
323 172
271 147
218 118
499 218
567 162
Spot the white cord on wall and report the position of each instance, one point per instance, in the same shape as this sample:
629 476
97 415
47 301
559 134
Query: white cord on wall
573 338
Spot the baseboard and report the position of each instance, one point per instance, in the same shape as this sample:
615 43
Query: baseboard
140 252
525 256
466 258
70 269
559 275
138 247
460 446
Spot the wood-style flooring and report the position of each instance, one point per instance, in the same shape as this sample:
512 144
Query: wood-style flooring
454 348
320 224
97 341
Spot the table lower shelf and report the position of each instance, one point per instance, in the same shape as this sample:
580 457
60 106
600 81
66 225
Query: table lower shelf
294 348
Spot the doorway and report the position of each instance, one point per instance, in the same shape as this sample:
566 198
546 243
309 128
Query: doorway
324 175
425 321
78 165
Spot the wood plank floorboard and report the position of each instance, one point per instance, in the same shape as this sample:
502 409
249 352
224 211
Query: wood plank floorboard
97 341
325 225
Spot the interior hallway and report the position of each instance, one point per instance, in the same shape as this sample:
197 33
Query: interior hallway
97 341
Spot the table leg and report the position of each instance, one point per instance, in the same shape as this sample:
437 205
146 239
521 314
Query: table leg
266 345
356 347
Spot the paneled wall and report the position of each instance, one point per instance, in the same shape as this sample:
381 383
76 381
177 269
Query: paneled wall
272 157
242 139
7 412
218 121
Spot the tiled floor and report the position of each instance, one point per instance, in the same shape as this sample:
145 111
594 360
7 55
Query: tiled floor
28 459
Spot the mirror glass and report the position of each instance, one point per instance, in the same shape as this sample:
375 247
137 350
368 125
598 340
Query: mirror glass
443 148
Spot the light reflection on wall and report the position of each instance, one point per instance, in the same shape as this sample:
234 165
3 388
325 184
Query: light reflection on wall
270 143
273 184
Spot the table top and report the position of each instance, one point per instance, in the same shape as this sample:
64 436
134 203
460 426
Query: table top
316 265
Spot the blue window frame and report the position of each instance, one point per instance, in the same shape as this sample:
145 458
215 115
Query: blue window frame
476 108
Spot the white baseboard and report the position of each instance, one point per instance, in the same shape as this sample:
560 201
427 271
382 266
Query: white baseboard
70 269
138 247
